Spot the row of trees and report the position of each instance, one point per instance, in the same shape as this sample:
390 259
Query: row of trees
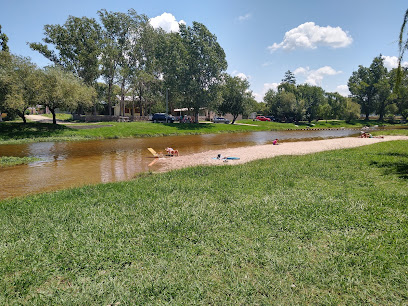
23 84
293 102
374 89
145 63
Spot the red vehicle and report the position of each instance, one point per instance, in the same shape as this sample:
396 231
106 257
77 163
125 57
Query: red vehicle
262 118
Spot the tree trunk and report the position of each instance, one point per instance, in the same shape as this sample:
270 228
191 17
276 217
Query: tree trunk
110 98
54 117
234 118
21 114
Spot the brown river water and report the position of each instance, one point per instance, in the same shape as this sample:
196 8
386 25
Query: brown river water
78 163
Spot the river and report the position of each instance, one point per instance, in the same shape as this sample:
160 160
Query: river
77 163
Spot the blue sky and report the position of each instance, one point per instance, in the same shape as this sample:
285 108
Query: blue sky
323 42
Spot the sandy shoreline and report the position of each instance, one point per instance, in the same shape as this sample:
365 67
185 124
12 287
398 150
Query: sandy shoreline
251 153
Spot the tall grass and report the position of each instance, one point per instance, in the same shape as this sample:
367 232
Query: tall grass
326 228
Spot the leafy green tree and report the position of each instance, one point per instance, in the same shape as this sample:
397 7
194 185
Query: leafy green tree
113 39
400 94
62 90
171 55
337 105
381 86
235 96
23 82
289 78
362 90
5 70
3 42
284 105
75 46
352 110
205 62
402 45
313 97
325 111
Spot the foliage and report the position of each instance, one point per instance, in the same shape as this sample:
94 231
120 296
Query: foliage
235 97
3 42
64 91
289 78
75 46
204 63
21 84
322 228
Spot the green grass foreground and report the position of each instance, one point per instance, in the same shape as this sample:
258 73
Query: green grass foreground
9 161
17 132
326 228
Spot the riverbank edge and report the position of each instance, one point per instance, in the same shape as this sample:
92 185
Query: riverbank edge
250 153
172 133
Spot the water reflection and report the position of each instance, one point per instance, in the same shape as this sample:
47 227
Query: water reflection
68 164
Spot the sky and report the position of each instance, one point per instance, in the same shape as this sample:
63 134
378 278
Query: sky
321 42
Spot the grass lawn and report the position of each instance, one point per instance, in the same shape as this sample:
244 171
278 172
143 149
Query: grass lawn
17 132
59 116
326 228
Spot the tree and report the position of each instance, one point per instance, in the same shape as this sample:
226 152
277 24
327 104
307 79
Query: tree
351 111
399 91
337 104
289 78
284 105
400 94
113 36
205 61
379 80
402 46
23 82
171 55
62 90
361 90
313 97
77 47
235 96
3 42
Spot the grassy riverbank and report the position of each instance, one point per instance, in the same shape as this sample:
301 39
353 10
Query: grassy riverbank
9 161
16 132
326 228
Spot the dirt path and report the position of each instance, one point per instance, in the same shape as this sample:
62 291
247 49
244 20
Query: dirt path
247 154
43 119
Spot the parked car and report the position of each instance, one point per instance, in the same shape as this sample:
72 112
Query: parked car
262 118
220 120
161 117
271 117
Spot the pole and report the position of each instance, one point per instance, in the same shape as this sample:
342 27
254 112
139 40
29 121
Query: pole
167 103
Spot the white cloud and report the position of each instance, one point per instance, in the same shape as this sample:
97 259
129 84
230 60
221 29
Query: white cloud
245 17
315 77
343 90
310 36
266 86
241 75
167 22
391 62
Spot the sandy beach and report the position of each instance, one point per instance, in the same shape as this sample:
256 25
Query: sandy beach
251 153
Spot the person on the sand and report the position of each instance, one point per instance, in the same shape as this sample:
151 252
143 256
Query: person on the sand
275 142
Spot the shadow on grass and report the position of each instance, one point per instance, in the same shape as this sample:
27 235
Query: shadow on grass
399 167
17 130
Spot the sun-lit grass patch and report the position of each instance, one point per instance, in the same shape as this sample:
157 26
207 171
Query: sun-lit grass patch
326 228
8 161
